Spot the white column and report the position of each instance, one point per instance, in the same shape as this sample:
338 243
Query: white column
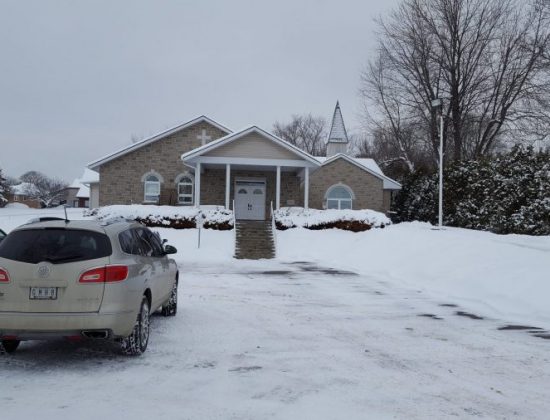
198 185
278 189
227 185
306 188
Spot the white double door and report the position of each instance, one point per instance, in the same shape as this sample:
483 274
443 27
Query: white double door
250 200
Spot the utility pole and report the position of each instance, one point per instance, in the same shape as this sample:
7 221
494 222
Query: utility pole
437 104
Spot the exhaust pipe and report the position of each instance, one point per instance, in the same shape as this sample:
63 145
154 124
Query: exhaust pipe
96 335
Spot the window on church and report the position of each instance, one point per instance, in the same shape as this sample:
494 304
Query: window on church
151 189
185 190
339 197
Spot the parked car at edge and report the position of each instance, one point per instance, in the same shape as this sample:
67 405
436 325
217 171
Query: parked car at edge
84 279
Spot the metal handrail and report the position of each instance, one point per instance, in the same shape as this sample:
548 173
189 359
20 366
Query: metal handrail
273 229
234 228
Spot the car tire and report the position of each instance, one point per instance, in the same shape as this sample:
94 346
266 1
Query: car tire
9 346
170 308
136 343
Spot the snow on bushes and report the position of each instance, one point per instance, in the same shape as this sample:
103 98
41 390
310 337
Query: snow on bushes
354 220
4 190
212 217
508 194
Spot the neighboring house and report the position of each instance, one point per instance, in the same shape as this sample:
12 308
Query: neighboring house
204 163
90 188
84 191
68 195
19 194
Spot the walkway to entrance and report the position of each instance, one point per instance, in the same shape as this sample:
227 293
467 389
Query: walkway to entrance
254 240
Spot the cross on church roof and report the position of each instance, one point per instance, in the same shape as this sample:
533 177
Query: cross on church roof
338 130
203 137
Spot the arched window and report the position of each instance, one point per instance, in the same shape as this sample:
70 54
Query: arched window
185 188
151 188
339 197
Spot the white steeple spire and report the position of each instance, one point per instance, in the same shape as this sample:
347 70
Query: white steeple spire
338 137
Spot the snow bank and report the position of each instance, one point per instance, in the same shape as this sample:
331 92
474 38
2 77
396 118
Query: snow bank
505 276
289 217
215 246
16 206
215 217
12 217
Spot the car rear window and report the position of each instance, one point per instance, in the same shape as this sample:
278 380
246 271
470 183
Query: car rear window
55 245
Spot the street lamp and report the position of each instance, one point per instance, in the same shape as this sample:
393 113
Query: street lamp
437 104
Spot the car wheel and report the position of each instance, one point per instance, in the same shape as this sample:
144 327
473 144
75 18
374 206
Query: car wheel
170 308
136 343
9 346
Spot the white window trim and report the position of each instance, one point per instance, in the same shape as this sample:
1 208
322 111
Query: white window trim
339 200
192 183
157 183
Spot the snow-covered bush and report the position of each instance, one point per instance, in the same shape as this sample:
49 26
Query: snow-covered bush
211 217
508 194
354 220
4 190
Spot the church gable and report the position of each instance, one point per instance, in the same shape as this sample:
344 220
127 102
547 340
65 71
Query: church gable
253 145
180 139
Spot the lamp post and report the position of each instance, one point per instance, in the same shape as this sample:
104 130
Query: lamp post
437 104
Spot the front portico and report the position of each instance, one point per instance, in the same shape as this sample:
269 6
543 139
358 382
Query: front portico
253 169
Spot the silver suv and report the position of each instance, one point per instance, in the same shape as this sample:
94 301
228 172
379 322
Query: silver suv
84 279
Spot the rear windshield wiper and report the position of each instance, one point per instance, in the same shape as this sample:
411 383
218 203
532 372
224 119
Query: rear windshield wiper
54 260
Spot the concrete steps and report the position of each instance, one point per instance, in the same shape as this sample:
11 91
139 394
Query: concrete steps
254 240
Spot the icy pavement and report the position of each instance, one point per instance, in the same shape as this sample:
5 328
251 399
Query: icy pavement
257 340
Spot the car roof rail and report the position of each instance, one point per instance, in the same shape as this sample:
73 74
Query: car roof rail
44 219
113 220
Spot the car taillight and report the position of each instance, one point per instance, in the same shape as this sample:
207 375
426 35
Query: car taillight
116 273
4 276
107 274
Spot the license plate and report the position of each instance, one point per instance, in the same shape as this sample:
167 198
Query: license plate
48 293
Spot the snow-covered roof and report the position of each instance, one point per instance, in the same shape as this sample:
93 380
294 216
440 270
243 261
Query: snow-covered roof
83 192
21 189
75 184
338 132
367 164
127 149
89 177
244 132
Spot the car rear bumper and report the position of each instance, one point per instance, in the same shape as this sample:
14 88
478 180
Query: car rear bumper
28 326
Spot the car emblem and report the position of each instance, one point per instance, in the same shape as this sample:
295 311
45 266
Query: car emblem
44 271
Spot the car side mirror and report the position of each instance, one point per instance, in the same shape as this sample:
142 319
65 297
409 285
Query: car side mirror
169 249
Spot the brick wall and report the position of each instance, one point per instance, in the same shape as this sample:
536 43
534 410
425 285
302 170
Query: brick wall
120 179
367 188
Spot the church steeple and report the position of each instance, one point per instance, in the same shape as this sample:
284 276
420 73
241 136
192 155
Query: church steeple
338 137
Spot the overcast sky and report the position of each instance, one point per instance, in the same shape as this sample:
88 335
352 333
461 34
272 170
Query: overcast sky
79 78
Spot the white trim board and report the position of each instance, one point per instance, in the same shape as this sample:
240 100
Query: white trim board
251 162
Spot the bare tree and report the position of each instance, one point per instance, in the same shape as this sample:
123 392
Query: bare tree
306 132
40 187
485 58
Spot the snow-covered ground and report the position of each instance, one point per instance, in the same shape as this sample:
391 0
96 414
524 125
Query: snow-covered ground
340 325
